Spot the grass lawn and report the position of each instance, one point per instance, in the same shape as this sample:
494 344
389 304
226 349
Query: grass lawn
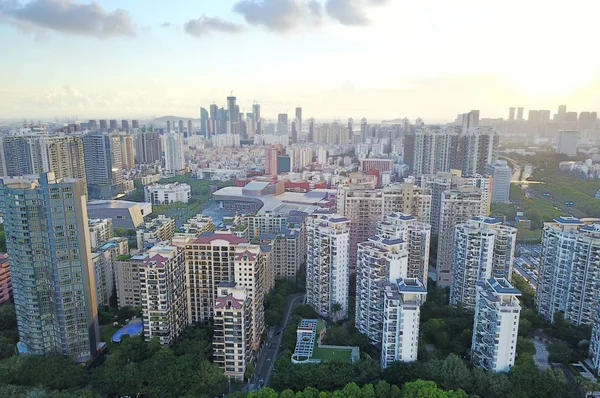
106 334
529 236
330 354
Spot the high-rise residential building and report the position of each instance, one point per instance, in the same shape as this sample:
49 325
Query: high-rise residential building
594 351
511 113
433 151
233 125
327 264
190 129
483 248
103 163
567 142
103 125
501 176
270 161
5 280
562 113
174 154
311 130
213 127
127 151
402 302
569 271
101 230
180 129
160 229
232 337
127 279
125 125
209 260
417 236
135 124
282 124
366 207
55 251
104 258
478 148
520 113
148 148
164 294
250 271
456 206
495 326
169 126
114 126
299 119
205 127
380 260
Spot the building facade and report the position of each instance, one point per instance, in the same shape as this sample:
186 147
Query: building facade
101 230
157 230
5 281
160 194
501 176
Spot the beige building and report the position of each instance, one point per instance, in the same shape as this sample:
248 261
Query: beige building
127 280
104 260
157 230
232 338
164 294
101 230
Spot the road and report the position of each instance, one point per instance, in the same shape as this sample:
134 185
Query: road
264 365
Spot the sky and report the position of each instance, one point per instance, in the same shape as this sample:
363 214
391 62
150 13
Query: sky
380 59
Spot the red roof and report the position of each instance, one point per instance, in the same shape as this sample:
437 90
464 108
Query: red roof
240 256
228 237
160 260
222 302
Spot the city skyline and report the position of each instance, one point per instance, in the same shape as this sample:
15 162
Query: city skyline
101 61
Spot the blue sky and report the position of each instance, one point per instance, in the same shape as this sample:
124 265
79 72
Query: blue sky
336 58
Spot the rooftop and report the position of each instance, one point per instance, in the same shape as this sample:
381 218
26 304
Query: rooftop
115 204
502 286
568 220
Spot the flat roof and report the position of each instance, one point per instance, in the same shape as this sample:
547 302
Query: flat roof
286 203
116 204
568 220
502 286
256 185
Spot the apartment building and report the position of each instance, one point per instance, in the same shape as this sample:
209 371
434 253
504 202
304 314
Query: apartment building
160 194
5 281
104 260
127 279
160 229
496 325
101 230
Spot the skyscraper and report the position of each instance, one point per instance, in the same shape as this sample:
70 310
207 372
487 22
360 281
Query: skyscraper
190 130
299 120
234 116
495 327
520 113
567 142
125 125
511 113
174 155
311 130
282 124
483 248
103 125
114 125
53 282
103 164
478 148
147 147
180 128
169 124
213 127
327 264
569 271
204 123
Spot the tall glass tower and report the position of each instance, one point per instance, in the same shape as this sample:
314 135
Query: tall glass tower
45 220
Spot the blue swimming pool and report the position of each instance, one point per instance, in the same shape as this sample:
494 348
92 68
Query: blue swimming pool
133 328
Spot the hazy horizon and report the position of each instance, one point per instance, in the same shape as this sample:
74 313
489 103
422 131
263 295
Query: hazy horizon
381 59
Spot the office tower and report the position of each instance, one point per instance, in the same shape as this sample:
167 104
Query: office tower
365 207
113 125
520 113
511 113
56 250
204 123
148 148
213 126
135 124
417 236
483 248
501 175
164 295
157 230
456 206
569 270
125 125
5 280
250 272
233 126
232 338
299 119
282 124
103 261
127 151
103 163
270 161
402 302
567 142
495 326
209 261
127 279
380 260
174 155
100 231
327 264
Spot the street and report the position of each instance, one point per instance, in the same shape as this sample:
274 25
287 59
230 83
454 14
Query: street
267 356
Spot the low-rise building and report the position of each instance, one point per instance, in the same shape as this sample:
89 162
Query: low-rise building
161 194
496 325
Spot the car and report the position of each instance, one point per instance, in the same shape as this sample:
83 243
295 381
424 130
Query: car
278 333
268 359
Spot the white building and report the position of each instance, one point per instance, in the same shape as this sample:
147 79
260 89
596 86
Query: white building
401 319
569 272
101 230
174 153
327 264
159 194
501 176
164 294
567 142
496 324
232 338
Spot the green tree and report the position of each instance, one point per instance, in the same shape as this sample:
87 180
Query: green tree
382 389
422 389
352 390
263 393
367 391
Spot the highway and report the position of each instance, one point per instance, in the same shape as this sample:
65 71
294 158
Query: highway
267 356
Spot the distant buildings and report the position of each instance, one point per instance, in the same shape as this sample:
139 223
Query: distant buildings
567 142
496 324
174 153
57 249
160 194
569 271
327 264
501 176
103 165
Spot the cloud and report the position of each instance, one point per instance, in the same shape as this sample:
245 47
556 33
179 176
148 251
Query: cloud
279 15
204 26
67 16
351 12
166 25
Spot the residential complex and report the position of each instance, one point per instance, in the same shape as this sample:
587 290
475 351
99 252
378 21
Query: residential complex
569 270
104 260
401 320
51 263
496 325
101 230
327 264
164 294
127 279
157 230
